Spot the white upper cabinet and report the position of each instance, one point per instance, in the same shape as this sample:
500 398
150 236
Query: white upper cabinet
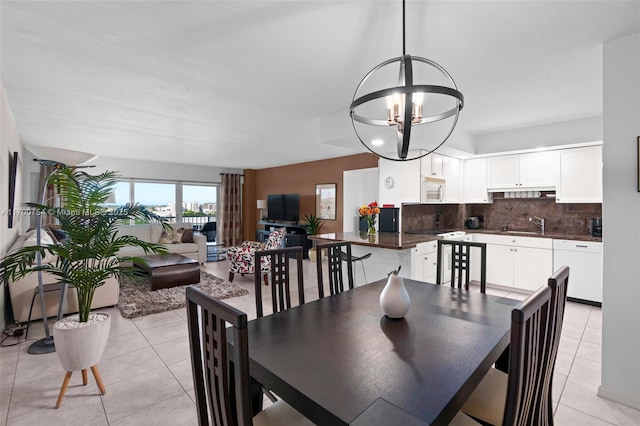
580 175
432 165
503 171
452 171
475 181
411 186
513 172
539 169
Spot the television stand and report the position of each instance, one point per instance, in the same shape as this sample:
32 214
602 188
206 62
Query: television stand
296 235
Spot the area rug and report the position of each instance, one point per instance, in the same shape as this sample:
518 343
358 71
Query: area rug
137 298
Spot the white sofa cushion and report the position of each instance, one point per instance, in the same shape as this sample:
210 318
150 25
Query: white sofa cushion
142 232
45 240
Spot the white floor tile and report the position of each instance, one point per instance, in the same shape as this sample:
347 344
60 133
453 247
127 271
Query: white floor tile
179 410
147 372
139 393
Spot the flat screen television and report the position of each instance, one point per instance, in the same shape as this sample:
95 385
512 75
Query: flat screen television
285 207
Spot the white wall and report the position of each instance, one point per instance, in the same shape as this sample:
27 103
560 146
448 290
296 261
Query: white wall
551 134
150 169
360 187
132 169
9 143
621 223
155 170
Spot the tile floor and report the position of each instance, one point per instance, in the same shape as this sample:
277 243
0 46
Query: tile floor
147 372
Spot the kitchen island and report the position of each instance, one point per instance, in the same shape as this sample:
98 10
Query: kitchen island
388 251
387 240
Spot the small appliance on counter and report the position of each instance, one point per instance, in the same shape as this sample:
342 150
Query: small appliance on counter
474 222
389 219
596 227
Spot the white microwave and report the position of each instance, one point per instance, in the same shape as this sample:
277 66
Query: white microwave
433 190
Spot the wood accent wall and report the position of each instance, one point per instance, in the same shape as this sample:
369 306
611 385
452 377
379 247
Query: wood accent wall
299 179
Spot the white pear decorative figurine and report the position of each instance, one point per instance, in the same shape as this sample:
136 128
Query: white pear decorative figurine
394 299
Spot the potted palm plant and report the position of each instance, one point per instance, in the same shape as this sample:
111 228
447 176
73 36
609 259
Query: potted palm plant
312 224
86 259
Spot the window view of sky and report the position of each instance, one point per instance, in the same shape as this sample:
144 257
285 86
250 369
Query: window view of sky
159 194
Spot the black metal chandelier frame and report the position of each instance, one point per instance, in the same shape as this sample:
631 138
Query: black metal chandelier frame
408 89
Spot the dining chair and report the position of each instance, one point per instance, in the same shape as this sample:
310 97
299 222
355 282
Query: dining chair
558 284
523 396
222 384
279 271
335 257
461 262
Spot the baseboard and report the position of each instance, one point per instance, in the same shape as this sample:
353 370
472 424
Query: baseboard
632 401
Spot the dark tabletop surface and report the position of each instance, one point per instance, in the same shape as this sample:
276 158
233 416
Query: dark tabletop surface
338 360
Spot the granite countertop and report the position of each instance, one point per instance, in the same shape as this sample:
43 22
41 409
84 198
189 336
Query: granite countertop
402 241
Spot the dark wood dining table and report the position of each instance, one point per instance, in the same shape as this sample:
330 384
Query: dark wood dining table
340 361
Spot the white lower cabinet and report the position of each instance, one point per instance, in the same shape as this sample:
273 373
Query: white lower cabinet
500 265
523 263
584 259
423 261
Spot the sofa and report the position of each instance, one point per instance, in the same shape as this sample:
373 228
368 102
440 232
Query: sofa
21 291
172 241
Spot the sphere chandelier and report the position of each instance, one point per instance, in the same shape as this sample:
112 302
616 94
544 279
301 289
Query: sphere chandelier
405 107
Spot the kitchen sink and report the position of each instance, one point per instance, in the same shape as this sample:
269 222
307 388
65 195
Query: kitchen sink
522 232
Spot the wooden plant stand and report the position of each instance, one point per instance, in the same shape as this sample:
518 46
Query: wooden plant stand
67 378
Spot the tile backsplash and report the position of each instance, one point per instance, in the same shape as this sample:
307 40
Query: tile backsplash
561 218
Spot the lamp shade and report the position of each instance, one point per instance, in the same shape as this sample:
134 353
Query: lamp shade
64 156
261 204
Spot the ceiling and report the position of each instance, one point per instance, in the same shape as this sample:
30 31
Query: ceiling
255 84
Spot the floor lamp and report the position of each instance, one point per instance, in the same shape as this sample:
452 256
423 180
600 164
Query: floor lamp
46 344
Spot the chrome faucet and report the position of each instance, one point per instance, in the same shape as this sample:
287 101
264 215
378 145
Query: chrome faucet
506 225
538 221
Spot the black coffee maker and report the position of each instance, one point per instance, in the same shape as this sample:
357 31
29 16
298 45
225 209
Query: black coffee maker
596 227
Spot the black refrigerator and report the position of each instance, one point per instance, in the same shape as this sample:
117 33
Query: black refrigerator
389 219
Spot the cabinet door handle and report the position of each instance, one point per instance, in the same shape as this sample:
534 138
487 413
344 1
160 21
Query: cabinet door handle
581 246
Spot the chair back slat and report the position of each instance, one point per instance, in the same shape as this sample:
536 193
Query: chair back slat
527 399
461 263
279 271
223 395
337 253
558 283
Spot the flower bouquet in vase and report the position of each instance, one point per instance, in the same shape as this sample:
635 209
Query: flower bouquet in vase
370 212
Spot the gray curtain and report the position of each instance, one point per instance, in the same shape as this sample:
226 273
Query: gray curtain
230 210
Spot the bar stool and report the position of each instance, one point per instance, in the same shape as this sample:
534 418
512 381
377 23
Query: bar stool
355 259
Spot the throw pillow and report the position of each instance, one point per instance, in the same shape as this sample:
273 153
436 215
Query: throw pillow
172 236
176 238
187 235
165 237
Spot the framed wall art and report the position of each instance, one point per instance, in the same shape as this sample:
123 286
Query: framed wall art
326 201
13 171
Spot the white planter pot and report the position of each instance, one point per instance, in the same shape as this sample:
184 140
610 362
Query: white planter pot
81 346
